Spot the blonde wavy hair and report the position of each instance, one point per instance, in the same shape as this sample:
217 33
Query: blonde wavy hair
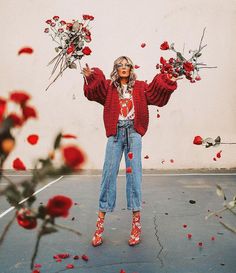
115 79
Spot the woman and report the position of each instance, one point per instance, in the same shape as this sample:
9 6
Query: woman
126 117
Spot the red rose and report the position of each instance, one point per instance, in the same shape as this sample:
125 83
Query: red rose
86 50
60 30
143 45
62 22
19 97
49 21
188 66
189 236
53 24
200 244
18 165
198 78
129 170
17 121
27 50
85 17
130 155
33 139
162 60
26 219
136 66
55 18
73 157
58 206
69 26
46 30
164 46
198 140
29 112
70 49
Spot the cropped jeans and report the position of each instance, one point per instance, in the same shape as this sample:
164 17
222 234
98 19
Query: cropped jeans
126 140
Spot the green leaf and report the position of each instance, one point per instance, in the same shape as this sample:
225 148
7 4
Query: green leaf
180 56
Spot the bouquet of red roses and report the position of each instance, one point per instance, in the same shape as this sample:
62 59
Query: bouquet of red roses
71 39
182 66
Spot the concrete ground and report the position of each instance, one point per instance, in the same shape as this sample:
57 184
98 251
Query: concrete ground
164 248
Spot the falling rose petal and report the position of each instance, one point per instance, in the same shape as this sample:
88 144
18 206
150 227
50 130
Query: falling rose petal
189 235
85 257
32 139
130 155
76 257
158 116
200 244
26 50
172 161
136 66
213 238
219 154
18 165
69 266
129 170
68 136
143 45
184 226
214 159
146 157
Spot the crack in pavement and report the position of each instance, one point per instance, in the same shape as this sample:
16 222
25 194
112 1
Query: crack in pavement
159 242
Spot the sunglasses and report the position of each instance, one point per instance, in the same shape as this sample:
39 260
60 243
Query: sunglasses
125 65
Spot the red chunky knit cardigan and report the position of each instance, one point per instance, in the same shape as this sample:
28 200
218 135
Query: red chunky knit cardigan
102 91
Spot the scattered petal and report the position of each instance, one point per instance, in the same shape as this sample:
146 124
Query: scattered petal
27 50
18 165
85 257
32 139
197 140
69 266
164 46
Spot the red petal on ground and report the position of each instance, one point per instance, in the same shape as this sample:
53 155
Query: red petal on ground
85 257
76 257
69 266
32 139
27 50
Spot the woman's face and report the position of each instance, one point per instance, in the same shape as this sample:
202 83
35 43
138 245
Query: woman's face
123 69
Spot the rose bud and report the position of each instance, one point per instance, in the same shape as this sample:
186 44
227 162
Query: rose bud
164 46
86 50
26 219
46 30
198 140
49 21
60 30
55 18
62 22
85 257
53 24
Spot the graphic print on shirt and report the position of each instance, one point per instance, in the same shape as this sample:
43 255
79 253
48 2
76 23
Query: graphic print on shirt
126 105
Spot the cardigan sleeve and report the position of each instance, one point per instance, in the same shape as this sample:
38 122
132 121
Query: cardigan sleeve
96 87
158 92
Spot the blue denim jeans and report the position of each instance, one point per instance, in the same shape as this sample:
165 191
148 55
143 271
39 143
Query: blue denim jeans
126 140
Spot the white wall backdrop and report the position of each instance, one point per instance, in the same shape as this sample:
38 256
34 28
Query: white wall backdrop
206 108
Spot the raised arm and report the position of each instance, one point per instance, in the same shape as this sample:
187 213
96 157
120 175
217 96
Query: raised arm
95 88
158 92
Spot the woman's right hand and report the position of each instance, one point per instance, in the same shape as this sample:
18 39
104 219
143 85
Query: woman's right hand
87 71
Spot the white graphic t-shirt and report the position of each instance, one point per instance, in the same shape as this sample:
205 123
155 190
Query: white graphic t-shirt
126 105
